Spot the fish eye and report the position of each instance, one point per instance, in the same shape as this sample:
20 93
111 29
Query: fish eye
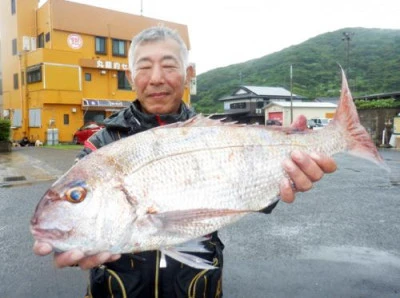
76 194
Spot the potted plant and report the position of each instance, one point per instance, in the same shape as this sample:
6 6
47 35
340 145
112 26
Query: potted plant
5 143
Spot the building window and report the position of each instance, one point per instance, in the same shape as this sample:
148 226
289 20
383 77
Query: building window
34 74
40 40
14 47
259 104
238 105
47 37
13 7
119 47
100 45
88 77
35 118
66 119
16 85
123 83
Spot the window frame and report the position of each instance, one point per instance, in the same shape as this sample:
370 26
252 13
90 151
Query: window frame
13 7
123 85
14 47
34 75
104 44
40 40
16 81
116 47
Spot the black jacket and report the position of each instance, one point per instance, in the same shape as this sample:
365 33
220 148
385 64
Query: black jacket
130 121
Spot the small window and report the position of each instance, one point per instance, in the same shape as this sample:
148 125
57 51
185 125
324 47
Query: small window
238 105
88 77
34 74
47 37
16 85
100 46
119 47
13 7
66 119
14 47
123 83
40 40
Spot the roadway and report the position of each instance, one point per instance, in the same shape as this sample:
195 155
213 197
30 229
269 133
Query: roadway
341 239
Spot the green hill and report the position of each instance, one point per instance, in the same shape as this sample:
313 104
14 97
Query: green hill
372 66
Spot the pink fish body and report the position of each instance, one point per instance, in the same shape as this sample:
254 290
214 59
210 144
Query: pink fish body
172 184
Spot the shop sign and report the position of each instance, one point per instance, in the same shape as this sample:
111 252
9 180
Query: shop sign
104 103
103 64
75 41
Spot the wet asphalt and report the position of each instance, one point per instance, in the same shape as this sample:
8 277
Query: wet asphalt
341 239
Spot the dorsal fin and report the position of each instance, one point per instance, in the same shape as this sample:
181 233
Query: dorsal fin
200 121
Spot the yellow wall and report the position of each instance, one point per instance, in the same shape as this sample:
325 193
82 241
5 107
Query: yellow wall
63 85
61 77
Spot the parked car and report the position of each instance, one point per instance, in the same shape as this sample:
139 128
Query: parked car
85 132
274 122
311 124
320 122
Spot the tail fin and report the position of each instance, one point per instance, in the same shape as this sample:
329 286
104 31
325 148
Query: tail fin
359 142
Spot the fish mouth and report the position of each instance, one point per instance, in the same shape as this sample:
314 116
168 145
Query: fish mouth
48 234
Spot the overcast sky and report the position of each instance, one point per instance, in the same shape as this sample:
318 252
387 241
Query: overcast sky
224 32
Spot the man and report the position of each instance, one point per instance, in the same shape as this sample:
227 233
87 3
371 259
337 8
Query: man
159 71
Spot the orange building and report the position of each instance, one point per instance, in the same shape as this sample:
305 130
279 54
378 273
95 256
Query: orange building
63 64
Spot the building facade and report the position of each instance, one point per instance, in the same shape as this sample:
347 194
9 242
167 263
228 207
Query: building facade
246 104
63 64
285 111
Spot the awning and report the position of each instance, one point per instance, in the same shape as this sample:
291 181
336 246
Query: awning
89 103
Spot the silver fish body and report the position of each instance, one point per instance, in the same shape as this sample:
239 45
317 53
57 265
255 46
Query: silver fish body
171 184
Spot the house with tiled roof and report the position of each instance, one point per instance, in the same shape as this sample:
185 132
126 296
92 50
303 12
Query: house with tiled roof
246 103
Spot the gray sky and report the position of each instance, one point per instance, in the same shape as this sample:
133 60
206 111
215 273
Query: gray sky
224 32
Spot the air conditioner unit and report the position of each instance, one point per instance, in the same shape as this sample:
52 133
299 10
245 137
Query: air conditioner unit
26 43
258 111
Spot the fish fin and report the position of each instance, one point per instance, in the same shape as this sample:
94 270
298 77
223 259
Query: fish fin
174 220
199 121
188 259
195 245
186 222
358 140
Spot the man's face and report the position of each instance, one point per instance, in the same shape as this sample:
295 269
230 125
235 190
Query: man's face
159 78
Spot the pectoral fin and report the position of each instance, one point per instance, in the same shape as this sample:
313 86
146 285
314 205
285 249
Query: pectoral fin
183 221
190 260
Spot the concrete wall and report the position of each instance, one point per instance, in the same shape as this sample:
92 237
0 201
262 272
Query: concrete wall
374 121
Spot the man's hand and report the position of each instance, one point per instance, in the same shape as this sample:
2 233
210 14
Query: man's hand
74 257
303 170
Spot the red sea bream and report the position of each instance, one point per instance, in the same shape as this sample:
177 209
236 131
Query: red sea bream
168 185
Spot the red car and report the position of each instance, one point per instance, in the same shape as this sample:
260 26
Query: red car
86 131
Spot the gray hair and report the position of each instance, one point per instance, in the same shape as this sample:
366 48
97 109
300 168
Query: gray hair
154 34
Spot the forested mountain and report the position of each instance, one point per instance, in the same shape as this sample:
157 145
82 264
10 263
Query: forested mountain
372 64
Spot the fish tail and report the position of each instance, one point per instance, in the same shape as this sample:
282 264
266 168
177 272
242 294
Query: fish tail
358 140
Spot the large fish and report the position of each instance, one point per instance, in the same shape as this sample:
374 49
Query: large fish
168 185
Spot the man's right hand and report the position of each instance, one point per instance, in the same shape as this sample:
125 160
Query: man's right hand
74 257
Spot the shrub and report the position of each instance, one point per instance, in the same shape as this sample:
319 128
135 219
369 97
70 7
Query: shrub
362 104
5 126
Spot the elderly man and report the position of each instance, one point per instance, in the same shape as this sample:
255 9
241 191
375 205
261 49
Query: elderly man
159 71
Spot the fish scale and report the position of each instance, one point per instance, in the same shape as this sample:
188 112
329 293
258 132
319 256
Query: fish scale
175 183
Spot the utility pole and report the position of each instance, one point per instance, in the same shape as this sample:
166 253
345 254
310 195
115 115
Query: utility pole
347 38
291 93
